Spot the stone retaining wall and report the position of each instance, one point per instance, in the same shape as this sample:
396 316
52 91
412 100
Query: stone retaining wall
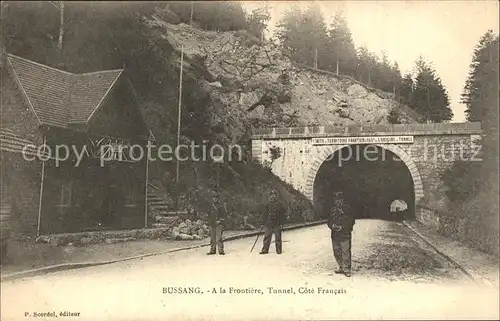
427 217
97 237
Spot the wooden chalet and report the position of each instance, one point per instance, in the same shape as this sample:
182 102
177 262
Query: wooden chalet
86 112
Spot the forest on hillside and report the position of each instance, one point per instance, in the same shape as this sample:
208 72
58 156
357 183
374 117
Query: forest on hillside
91 35
473 188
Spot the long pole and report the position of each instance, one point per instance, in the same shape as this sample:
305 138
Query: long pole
146 195
61 25
179 129
191 16
261 228
217 169
41 194
316 59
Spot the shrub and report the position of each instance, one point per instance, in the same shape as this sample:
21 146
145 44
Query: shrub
275 152
394 116
474 221
247 39
462 180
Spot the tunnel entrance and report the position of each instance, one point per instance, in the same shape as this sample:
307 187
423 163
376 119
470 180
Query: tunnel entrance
371 177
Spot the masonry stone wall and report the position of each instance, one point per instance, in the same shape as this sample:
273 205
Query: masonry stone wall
21 182
20 179
427 217
433 150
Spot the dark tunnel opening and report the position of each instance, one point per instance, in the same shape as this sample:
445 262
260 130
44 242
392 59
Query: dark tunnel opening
371 177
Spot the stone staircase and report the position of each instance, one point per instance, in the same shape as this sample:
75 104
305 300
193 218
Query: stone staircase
159 210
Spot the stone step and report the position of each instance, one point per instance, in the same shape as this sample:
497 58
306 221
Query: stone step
156 198
161 225
159 199
180 213
170 214
163 210
160 206
165 219
156 195
158 203
165 213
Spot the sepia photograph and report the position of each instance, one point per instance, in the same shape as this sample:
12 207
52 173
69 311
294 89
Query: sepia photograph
249 160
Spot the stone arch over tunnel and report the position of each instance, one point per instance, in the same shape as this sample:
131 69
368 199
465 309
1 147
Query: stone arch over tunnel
327 153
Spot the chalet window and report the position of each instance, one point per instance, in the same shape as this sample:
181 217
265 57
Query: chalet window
65 194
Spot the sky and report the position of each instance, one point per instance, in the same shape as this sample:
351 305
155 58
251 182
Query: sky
444 33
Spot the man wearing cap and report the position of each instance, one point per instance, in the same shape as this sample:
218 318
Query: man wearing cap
273 218
216 215
341 222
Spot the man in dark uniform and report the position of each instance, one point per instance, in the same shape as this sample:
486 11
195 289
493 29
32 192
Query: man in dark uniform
216 216
341 222
273 218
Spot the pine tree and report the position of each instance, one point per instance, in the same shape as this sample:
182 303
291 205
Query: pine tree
315 35
430 96
289 33
211 15
341 47
406 90
481 97
475 184
303 36
38 21
366 63
489 106
396 78
479 77
257 21
377 75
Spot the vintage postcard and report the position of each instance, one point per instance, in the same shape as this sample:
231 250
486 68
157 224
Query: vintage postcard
249 160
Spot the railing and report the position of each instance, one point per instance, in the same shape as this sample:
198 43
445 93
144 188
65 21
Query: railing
380 129
156 188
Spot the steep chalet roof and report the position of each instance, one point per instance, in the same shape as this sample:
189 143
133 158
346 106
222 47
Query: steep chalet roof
60 98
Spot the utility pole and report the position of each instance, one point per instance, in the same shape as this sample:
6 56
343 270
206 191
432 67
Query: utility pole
191 16
179 131
218 181
218 160
61 25
316 58
41 191
60 6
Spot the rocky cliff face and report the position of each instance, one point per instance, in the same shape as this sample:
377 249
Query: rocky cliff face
252 84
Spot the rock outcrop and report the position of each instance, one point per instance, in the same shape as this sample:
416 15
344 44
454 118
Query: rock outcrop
256 85
188 230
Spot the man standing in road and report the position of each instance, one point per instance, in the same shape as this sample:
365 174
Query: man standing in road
341 222
216 216
273 218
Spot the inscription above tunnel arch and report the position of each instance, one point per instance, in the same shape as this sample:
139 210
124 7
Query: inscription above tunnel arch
362 140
